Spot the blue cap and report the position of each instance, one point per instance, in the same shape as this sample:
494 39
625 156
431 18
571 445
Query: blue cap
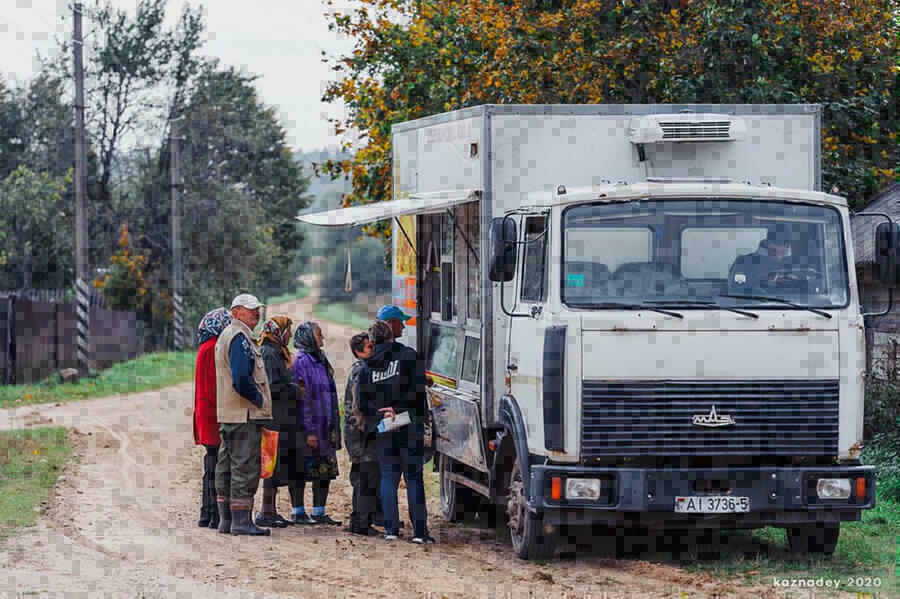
392 313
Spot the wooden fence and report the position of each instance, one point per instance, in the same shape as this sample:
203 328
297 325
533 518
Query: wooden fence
37 338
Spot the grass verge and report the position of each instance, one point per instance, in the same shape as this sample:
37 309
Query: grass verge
864 562
344 313
30 462
302 292
148 372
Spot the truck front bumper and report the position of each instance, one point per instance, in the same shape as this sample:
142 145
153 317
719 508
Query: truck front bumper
777 495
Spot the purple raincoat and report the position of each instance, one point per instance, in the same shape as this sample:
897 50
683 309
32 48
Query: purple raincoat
317 411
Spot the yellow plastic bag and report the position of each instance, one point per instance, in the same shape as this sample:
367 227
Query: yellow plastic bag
268 453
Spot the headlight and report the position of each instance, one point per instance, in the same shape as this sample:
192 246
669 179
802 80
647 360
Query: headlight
583 488
833 488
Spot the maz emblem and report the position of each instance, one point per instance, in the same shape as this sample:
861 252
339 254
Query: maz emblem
712 419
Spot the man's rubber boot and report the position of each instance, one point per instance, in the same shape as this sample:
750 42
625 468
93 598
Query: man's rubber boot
224 507
242 523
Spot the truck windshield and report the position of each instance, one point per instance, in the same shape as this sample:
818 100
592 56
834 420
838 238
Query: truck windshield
691 251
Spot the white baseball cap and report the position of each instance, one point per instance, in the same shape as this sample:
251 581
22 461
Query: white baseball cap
246 300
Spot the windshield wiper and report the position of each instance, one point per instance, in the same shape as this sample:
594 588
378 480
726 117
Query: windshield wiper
766 298
624 306
700 304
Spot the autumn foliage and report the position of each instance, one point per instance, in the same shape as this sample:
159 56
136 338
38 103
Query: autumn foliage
414 58
125 286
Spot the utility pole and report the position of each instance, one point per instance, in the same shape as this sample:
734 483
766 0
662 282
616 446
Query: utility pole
175 185
82 288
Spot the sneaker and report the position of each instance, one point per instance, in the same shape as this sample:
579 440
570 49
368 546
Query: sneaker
426 540
390 537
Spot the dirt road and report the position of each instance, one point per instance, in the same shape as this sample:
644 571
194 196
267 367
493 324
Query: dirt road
121 523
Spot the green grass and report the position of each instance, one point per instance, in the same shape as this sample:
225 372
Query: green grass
151 371
301 293
867 549
343 313
30 462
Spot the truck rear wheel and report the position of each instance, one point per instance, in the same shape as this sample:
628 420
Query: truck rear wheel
526 528
813 538
457 501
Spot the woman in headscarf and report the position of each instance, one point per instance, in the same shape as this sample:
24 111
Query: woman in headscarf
273 346
206 427
319 420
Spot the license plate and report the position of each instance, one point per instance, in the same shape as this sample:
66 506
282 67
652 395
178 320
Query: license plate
712 505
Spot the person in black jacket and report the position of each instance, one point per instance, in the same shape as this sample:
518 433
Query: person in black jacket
392 381
365 477
285 418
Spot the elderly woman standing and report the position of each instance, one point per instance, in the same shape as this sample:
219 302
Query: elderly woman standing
319 419
206 427
273 346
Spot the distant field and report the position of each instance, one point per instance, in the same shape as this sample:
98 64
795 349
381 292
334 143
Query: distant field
302 292
148 372
344 313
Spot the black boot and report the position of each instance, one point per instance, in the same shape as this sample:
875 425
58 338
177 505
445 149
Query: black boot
224 508
267 521
242 524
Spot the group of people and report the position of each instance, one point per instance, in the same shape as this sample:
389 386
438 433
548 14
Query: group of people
244 385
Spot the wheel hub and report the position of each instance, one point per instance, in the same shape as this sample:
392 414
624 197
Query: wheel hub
515 506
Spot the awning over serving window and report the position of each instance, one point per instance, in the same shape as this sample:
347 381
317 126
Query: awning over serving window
423 203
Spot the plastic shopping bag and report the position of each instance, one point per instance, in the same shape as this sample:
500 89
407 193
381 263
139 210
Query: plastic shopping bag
269 453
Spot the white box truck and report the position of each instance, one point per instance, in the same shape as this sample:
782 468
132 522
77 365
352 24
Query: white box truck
639 314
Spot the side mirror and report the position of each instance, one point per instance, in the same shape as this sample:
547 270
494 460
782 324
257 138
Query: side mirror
503 250
887 249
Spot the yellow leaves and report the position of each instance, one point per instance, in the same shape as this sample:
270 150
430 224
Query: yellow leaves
855 54
821 62
865 139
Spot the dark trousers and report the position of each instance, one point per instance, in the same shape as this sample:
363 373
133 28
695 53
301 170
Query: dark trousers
365 478
208 509
239 463
402 452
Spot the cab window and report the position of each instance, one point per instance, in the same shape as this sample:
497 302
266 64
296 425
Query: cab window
534 264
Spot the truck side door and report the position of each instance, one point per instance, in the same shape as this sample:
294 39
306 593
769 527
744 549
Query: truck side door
527 334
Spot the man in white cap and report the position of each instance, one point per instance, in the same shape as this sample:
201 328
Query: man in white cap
243 404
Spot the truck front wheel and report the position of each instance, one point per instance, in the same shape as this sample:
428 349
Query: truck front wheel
813 538
526 528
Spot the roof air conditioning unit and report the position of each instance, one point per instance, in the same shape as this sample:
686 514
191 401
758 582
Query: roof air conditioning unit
687 127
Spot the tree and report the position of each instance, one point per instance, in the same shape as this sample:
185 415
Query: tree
125 287
413 58
242 191
135 71
36 230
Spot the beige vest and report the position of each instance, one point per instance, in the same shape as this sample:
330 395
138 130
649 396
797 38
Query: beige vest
230 406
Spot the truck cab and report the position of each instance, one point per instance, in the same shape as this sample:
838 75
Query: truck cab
685 354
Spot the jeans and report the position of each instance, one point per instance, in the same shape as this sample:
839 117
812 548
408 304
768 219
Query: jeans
403 452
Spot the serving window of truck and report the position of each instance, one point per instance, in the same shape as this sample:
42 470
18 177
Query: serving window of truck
451 297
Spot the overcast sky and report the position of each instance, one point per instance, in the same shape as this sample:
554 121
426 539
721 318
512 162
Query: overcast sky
279 40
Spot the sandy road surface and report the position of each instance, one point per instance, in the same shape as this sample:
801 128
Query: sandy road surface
122 524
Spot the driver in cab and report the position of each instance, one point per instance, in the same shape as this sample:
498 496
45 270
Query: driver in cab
765 269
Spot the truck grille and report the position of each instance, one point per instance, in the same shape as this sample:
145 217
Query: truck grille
655 418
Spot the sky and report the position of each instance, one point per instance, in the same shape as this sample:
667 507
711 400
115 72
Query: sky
281 41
